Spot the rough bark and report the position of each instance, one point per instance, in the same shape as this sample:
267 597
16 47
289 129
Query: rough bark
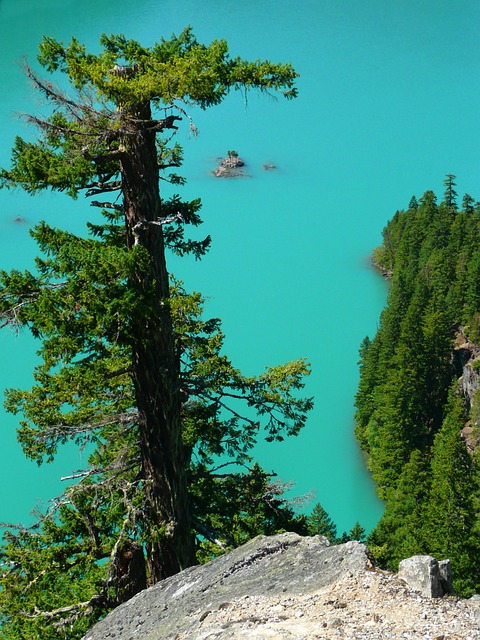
155 365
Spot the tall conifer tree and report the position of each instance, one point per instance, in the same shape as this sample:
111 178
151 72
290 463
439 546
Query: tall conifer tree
126 366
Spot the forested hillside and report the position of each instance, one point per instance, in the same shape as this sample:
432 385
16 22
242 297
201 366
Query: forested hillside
417 408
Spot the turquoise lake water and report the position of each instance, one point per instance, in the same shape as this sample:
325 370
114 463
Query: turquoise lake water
388 105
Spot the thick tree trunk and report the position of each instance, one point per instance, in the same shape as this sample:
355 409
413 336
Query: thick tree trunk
156 369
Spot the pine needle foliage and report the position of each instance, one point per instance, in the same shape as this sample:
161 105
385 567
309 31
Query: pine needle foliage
129 368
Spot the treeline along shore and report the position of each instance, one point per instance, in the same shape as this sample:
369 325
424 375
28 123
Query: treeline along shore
417 404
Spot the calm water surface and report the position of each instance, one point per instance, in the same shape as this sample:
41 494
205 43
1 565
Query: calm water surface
388 105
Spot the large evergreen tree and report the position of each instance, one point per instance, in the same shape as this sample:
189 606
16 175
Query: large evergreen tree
128 365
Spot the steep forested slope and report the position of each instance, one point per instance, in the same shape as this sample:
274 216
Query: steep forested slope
417 412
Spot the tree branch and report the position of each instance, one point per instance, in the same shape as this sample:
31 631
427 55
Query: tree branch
143 224
207 533
59 430
10 316
102 157
78 110
96 188
160 125
107 205
80 609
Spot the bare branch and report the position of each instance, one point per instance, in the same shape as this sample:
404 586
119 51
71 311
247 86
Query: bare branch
80 609
54 431
107 205
207 533
77 109
160 125
102 157
162 221
45 125
143 224
86 473
193 128
96 188
10 316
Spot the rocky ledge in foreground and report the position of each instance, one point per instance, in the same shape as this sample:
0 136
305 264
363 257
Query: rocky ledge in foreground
288 587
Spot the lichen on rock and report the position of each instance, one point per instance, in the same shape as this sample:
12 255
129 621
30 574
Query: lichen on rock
291 587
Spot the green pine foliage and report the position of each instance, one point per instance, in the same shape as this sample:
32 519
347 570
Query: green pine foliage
239 506
320 524
399 533
410 410
450 517
357 532
128 366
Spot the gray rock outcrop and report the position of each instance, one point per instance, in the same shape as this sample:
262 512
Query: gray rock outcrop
470 381
230 167
276 565
424 574
465 359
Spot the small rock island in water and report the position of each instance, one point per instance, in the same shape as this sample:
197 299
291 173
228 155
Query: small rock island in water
230 167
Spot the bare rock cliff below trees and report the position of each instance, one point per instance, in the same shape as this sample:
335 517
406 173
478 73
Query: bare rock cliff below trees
288 587
466 360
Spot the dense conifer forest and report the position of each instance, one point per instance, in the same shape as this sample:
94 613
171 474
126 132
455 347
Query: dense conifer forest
417 407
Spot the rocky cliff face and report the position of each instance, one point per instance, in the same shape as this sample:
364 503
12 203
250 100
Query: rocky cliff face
290 588
466 358
466 354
